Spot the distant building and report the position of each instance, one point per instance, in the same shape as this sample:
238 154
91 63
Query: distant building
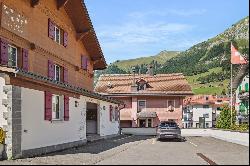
241 95
149 99
242 101
202 111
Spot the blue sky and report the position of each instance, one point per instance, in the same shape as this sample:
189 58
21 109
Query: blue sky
128 29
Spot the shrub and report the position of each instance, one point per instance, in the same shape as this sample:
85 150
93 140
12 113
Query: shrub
224 121
241 127
2 136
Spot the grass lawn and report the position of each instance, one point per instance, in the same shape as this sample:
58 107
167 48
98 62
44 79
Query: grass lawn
210 88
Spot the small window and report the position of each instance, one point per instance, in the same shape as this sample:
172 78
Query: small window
206 115
56 107
205 106
57 73
57 35
141 105
12 56
171 105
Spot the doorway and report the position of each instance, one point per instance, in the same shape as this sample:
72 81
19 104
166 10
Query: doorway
92 119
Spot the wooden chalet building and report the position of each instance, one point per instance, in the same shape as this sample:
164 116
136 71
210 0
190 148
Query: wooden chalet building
48 52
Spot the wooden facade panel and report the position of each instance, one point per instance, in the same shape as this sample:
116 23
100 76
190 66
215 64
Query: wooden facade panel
47 49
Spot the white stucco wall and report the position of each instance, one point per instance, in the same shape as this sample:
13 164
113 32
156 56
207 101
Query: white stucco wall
2 107
41 133
198 111
106 126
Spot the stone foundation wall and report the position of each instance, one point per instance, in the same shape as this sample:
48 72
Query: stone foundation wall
14 120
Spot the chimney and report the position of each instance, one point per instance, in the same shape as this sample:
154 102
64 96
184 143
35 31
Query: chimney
150 70
134 85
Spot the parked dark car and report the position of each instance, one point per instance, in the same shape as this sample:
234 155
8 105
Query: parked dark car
168 129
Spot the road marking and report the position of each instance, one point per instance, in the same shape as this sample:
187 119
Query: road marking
209 161
122 138
193 144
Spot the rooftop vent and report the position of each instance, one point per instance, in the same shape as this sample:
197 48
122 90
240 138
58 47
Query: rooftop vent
110 85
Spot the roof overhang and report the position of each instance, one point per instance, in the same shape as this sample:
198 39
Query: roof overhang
77 11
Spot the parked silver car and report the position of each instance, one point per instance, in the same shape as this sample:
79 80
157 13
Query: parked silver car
168 129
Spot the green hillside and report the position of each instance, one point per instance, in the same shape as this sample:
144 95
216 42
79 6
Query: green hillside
160 58
206 65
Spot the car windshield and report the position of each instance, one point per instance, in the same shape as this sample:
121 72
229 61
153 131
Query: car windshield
168 124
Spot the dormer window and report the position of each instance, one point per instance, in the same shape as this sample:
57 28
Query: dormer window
141 85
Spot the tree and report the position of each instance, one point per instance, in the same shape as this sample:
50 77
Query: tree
224 121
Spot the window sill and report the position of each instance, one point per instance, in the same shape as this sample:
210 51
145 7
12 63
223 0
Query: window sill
57 121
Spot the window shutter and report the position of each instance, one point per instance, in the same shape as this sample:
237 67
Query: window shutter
66 108
65 39
110 112
51 69
25 59
65 75
4 52
48 106
247 87
84 63
116 113
51 29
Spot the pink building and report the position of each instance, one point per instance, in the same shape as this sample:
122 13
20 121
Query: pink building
148 99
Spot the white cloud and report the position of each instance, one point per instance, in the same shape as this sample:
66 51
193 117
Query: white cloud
168 12
136 36
135 32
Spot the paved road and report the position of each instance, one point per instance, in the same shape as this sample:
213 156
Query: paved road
129 150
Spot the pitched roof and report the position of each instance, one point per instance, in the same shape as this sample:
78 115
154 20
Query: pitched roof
161 84
206 100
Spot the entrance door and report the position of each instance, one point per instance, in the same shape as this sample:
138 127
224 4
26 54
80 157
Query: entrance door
142 123
91 118
202 122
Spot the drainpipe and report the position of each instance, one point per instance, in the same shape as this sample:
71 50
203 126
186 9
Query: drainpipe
119 120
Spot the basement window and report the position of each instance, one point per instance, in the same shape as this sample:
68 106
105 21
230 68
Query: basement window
12 56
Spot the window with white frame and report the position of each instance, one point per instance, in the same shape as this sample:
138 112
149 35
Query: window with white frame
57 72
141 105
206 115
12 56
57 35
171 105
57 107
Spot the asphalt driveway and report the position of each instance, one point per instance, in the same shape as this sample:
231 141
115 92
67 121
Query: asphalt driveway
133 150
